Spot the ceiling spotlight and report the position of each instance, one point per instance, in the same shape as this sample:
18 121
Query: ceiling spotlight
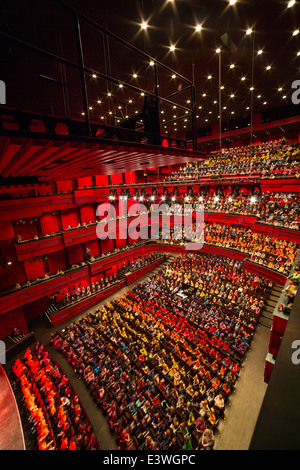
280 89
99 101
172 48
232 66
108 94
198 28
291 3
232 2
151 63
144 25
173 76
218 50
249 31
252 88
209 77
120 85
134 75
232 96
243 78
296 32
94 75
260 52
268 67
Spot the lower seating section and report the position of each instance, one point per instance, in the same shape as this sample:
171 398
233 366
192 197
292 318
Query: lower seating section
58 419
162 360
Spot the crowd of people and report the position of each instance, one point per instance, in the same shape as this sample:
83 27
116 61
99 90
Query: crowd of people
268 160
162 366
142 261
268 251
51 403
277 209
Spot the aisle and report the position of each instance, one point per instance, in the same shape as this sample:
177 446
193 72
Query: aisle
241 416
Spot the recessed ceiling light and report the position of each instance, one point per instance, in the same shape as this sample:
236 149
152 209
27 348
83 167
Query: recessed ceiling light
172 48
232 2
243 78
249 31
218 50
296 32
94 75
291 3
151 63
173 76
232 66
134 75
268 67
209 77
260 52
144 25
198 28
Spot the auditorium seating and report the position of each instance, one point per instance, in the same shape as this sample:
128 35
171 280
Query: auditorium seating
52 406
151 352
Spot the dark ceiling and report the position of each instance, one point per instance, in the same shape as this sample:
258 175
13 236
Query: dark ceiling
34 82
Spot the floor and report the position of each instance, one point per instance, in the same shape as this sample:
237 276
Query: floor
234 433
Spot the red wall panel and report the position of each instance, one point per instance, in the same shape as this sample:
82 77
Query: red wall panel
69 217
101 180
49 223
87 214
34 269
82 182
75 254
13 319
56 261
7 231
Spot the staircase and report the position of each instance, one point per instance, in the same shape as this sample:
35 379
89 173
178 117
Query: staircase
266 318
121 274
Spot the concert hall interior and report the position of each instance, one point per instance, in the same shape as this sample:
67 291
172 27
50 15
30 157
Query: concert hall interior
150 216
